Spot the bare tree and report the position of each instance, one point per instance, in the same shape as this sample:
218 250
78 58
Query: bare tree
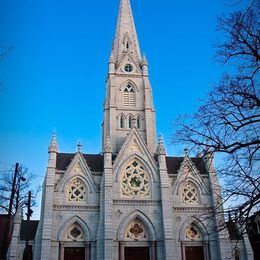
228 122
23 185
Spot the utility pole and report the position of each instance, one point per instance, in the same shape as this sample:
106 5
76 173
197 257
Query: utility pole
7 227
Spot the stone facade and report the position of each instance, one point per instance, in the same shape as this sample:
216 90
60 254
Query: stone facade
132 195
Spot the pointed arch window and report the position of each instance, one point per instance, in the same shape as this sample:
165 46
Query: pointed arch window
122 122
138 122
130 122
129 96
189 194
77 191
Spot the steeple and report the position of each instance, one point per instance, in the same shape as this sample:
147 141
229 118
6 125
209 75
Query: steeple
128 103
126 40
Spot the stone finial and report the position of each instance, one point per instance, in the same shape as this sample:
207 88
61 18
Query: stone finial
144 61
160 147
186 152
53 147
112 58
79 146
107 146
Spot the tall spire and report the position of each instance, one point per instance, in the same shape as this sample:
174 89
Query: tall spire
126 40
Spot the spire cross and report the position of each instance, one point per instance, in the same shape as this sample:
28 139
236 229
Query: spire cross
79 145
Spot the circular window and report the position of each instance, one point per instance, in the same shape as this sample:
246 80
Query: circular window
128 68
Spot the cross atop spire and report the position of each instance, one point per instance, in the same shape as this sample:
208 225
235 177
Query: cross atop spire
126 40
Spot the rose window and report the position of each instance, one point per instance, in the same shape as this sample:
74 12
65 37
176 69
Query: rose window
77 191
189 193
192 233
136 231
135 181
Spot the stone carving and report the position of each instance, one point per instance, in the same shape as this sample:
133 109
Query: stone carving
192 233
136 231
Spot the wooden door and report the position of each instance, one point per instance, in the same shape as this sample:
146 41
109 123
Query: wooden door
137 253
74 253
194 253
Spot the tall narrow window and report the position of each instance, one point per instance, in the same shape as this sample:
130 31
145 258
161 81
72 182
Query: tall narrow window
130 122
237 254
138 122
122 121
129 96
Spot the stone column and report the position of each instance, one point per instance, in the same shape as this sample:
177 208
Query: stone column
121 251
61 251
87 251
153 250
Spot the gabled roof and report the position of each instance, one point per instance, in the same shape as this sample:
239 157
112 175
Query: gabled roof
28 229
174 163
96 162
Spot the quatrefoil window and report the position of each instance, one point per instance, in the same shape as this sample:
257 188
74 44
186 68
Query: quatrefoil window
189 194
75 233
135 181
77 191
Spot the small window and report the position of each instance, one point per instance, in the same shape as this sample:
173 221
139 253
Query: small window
128 68
130 122
127 45
138 122
122 121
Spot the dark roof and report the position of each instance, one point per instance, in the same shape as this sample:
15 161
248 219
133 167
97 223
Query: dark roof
28 229
174 163
94 161
233 230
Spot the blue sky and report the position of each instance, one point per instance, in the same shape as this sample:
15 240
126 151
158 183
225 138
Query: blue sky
54 76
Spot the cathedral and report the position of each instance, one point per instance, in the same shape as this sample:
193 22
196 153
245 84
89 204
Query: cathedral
132 201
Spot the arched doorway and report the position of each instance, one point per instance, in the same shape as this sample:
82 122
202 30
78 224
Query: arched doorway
74 244
136 244
194 243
